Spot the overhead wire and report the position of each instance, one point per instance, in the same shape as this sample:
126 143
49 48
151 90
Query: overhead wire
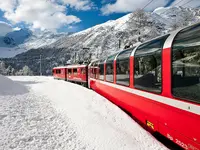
177 4
147 4
133 15
162 12
187 2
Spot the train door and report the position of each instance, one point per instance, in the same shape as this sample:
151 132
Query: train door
89 74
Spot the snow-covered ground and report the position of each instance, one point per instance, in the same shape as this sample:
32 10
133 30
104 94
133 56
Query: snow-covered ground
42 113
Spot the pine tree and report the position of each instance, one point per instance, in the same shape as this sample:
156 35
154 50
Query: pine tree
8 70
27 71
3 68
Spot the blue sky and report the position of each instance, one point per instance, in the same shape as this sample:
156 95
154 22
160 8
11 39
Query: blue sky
74 15
92 17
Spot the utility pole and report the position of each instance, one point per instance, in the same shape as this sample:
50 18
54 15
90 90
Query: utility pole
75 57
40 65
119 43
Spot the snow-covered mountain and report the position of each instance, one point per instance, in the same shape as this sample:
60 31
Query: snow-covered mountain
42 39
102 39
22 40
18 37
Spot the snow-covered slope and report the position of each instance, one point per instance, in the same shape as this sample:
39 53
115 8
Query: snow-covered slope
47 117
10 43
42 39
16 42
103 39
19 36
176 14
15 38
8 87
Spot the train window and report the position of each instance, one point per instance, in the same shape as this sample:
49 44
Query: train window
95 69
186 64
101 70
91 70
122 70
147 64
75 71
62 71
83 71
58 71
110 68
69 71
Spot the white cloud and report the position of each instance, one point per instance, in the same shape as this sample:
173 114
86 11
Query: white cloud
7 5
124 6
5 28
38 14
79 4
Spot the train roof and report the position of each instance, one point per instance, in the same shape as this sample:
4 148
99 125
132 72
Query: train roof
75 66
60 67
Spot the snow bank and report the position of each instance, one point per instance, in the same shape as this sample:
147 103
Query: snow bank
60 115
29 122
9 87
97 121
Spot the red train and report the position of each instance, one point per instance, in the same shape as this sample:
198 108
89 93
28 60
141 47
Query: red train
158 82
72 73
60 73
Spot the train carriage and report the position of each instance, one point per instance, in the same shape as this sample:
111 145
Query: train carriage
158 82
60 73
77 74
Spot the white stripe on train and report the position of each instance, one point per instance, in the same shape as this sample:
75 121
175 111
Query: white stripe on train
168 101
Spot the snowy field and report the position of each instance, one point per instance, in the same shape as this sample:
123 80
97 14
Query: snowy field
39 113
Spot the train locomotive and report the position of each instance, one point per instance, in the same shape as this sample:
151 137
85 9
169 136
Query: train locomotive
157 82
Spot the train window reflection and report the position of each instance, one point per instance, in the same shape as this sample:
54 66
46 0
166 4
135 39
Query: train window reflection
109 71
148 66
96 70
101 70
122 68
186 64
110 68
